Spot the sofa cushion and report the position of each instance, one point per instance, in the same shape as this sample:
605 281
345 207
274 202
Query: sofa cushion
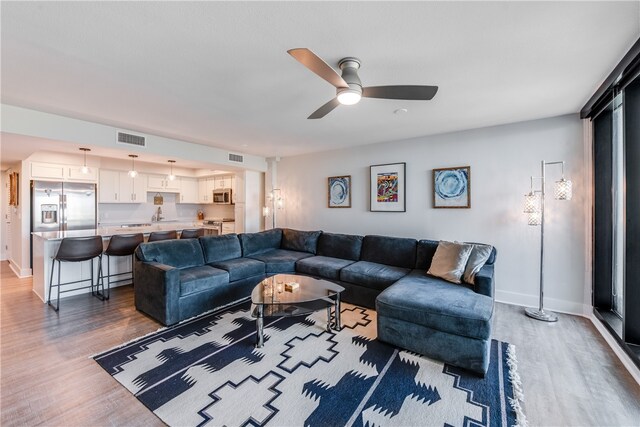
280 260
175 253
240 268
450 260
220 248
424 254
302 241
372 275
257 243
322 266
437 304
343 246
478 257
395 251
196 279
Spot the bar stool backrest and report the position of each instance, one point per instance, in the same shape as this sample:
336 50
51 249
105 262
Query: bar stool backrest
123 244
162 235
192 234
79 248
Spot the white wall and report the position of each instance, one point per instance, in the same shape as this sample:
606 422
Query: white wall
502 159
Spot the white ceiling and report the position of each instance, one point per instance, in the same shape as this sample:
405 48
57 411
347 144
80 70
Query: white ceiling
217 73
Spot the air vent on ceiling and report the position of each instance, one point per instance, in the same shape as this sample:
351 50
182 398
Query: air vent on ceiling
131 139
236 158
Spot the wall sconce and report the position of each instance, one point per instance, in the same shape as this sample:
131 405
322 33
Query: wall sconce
534 207
277 202
84 169
133 173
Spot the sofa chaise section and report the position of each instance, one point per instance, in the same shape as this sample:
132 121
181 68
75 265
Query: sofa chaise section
439 319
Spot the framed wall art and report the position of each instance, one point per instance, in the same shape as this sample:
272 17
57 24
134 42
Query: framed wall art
339 193
452 187
388 187
14 185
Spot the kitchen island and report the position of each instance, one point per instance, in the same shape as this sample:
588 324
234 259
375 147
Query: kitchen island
46 244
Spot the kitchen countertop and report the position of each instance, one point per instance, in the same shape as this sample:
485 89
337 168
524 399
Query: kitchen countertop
113 230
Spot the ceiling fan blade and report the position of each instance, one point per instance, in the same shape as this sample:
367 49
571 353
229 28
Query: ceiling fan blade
413 93
314 63
325 109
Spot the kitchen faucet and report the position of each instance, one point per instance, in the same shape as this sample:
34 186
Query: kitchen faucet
158 216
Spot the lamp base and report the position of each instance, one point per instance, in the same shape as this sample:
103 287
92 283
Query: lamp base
545 316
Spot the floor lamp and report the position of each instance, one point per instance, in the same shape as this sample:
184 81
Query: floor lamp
534 206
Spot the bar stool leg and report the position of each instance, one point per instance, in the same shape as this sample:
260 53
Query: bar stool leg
58 299
108 294
53 267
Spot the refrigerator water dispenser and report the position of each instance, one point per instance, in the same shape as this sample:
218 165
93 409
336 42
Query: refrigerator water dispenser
49 214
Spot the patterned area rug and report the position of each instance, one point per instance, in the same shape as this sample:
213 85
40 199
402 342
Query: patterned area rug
206 371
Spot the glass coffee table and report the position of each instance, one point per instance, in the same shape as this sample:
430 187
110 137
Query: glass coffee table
270 298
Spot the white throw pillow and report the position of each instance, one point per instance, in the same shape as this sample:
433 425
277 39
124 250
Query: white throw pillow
478 257
450 260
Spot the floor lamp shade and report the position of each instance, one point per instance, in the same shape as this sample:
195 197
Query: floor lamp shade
563 190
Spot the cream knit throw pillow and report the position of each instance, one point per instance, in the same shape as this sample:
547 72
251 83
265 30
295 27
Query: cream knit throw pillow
450 260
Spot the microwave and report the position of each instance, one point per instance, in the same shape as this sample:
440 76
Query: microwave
222 196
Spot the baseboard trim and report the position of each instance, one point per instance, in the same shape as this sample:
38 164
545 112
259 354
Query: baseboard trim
20 272
525 300
611 341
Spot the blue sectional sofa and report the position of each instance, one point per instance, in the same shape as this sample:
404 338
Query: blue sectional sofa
178 279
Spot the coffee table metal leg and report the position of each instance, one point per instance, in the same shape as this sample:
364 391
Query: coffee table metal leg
260 326
329 319
338 324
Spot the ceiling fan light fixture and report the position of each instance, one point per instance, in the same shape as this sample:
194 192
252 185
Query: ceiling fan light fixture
349 97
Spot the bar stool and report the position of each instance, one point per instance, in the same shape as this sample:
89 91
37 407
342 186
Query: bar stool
162 235
77 249
192 233
120 245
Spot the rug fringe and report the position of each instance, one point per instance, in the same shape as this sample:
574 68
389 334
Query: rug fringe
131 341
514 377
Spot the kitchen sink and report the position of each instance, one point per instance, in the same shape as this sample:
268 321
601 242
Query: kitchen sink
147 224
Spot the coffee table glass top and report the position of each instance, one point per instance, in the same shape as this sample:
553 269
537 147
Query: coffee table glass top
271 291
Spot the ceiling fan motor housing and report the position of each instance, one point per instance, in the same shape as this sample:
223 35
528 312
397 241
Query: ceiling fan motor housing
349 67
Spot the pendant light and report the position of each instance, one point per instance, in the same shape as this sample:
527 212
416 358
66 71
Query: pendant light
84 169
171 176
133 173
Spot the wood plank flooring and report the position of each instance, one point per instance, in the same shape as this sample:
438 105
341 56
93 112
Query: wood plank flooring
570 375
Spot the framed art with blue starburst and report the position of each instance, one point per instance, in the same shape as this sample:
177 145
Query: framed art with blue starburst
452 187
388 187
339 195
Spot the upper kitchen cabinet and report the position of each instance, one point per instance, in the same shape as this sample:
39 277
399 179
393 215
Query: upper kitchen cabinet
58 172
162 183
189 190
223 181
205 190
119 187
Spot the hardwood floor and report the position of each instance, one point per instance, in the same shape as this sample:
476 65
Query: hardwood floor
570 375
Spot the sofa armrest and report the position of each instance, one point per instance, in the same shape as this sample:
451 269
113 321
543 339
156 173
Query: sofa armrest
157 290
485 283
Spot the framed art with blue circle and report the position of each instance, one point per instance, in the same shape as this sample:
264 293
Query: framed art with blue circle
339 194
452 187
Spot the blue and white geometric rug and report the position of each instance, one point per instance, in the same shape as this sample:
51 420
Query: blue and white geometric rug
206 371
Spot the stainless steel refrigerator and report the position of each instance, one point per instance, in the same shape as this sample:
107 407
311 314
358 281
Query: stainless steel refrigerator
62 206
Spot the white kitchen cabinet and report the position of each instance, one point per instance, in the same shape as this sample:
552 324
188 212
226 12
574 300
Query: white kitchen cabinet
59 172
74 173
189 190
47 171
228 227
162 183
205 190
109 186
119 187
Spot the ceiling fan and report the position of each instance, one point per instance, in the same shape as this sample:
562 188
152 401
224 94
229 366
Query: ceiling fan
349 89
